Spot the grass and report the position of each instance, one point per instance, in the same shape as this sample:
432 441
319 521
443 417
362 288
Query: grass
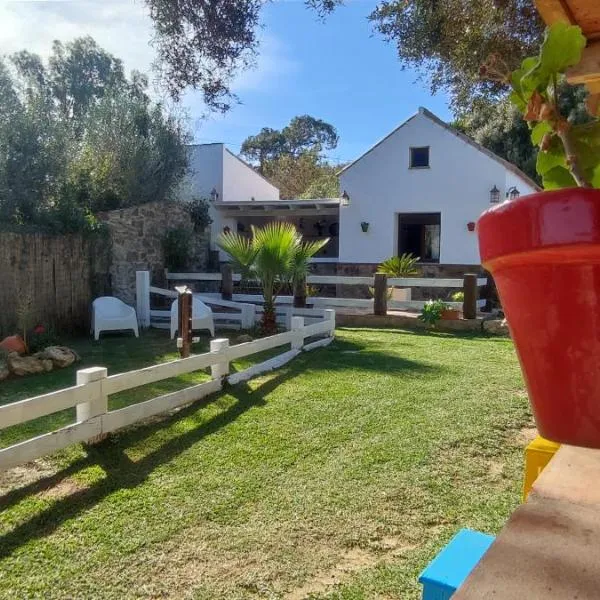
339 476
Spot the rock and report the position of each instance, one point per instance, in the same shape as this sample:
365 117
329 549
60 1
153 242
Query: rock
243 339
496 327
14 343
61 356
27 365
4 372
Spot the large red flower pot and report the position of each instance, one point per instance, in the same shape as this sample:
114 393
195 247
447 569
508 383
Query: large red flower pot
544 253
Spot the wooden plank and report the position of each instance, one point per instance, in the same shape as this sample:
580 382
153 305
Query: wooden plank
161 313
132 379
261 345
339 280
163 292
216 301
588 69
263 367
200 276
49 442
317 328
318 344
117 419
46 404
553 11
223 316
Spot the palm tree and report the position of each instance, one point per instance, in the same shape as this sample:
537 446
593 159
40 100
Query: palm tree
275 255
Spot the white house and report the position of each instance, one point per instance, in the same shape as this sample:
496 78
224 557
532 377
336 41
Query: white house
419 190
218 175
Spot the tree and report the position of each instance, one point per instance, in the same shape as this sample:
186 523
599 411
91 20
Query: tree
500 127
304 134
203 44
77 136
306 176
276 256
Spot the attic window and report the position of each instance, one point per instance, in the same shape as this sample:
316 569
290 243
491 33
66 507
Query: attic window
419 157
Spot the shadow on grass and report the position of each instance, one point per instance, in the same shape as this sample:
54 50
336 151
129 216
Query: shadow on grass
122 472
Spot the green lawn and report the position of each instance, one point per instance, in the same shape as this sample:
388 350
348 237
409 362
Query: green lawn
339 476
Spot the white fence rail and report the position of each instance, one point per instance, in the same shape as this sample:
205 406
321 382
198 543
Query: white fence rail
90 395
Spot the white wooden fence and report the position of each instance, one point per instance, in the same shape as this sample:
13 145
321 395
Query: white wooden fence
94 386
363 304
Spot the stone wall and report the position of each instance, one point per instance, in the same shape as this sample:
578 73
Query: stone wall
136 236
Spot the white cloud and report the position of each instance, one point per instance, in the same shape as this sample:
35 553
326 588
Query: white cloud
124 28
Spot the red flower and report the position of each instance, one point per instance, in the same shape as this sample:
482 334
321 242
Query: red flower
39 329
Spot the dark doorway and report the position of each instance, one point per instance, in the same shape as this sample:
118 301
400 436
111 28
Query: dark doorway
419 235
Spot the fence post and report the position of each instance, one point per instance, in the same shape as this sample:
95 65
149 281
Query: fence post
330 316
185 321
226 281
219 369
248 316
470 296
298 331
300 293
97 404
380 295
142 297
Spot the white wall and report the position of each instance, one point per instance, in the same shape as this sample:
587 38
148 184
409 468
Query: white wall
241 182
381 185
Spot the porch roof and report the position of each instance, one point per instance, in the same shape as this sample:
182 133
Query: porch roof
297 207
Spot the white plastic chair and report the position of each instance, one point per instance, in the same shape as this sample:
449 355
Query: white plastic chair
112 314
202 317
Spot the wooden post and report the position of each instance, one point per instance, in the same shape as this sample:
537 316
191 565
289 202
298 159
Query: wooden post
297 329
380 295
226 281
330 316
470 296
97 404
300 293
219 369
185 322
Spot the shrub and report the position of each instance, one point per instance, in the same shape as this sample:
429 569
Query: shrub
41 337
177 248
457 297
432 311
400 266
199 214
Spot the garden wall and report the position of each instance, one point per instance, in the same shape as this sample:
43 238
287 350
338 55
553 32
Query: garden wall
136 238
50 280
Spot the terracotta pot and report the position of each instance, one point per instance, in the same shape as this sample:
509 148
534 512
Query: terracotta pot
450 314
14 343
544 253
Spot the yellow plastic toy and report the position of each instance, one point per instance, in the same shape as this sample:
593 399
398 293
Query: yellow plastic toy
537 455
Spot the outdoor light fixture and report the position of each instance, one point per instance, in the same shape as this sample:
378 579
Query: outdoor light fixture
494 195
214 195
471 225
345 199
181 289
364 226
513 193
226 229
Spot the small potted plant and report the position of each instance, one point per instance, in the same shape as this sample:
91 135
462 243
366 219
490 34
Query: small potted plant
432 312
398 267
544 249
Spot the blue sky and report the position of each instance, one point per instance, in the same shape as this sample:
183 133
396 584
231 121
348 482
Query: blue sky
338 70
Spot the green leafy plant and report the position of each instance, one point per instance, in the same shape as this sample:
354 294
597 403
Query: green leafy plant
177 248
404 265
41 337
457 297
199 214
275 255
432 311
569 154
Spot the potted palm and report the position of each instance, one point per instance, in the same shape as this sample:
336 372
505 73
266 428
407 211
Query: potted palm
544 249
404 265
275 256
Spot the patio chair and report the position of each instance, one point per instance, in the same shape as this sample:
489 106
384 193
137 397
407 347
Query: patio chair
202 317
112 314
